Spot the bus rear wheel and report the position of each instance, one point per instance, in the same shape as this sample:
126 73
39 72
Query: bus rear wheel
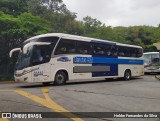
60 78
127 75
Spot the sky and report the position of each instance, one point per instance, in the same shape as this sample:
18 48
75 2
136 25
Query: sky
118 12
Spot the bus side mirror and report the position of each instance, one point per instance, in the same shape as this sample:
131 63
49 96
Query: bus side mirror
14 50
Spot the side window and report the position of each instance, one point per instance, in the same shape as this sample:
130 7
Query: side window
108 50
133 52
84 47
41 54
105 49
65 46
51 39
129 51
99 49
139 52
125 51
114 50
121 51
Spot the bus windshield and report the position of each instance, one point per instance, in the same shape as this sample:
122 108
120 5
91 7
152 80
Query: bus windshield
36 54
152 58
24 59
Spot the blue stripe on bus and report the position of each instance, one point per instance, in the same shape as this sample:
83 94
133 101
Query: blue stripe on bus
113 70
92 60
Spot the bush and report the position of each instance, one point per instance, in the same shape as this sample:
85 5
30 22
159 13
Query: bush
6 78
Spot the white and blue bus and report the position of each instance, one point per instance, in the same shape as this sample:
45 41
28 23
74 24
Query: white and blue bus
57 57
152 62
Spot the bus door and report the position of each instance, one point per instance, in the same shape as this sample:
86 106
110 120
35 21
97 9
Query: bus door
40 64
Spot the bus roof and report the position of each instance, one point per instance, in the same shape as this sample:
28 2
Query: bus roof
151 53
76 37
67 36
44 35
120 44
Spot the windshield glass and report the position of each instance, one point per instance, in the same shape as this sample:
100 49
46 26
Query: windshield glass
24 59
151 58
36 54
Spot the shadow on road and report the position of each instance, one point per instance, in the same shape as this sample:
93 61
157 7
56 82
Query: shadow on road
38 85
152 73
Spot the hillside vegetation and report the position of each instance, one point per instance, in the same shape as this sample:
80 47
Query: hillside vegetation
21 19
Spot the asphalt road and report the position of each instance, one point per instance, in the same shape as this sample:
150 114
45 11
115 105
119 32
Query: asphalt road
141 94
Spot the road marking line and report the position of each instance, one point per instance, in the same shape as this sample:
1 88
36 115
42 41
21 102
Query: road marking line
48 102
153 77
4 119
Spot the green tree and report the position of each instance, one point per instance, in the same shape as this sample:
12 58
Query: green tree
57 14
14 30
91 26
13 7
91 22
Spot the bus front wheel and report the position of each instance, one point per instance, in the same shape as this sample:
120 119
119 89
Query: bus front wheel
127 75
60 78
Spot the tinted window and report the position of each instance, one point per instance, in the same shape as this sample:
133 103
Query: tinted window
99 49
47 39
66 46
129 51
84 47
139 52
113 50
104 49
42 54
44 39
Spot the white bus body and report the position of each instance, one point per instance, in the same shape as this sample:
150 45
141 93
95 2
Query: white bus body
68 57
152 62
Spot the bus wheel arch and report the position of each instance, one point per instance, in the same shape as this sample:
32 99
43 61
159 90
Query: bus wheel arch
61 77
127 74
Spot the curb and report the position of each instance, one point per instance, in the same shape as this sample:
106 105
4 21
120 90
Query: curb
157 77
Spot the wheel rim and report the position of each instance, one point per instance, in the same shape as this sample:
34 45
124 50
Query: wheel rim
60 79
127 75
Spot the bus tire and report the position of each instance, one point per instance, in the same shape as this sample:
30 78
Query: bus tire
60 78
127 75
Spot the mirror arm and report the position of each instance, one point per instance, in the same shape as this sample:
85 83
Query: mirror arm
14 50
34 43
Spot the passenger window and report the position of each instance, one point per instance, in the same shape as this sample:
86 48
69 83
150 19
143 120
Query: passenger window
133 52
84 47
108 51
120 51
65 46
129 51
139 52
114 50
41 54
99 49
